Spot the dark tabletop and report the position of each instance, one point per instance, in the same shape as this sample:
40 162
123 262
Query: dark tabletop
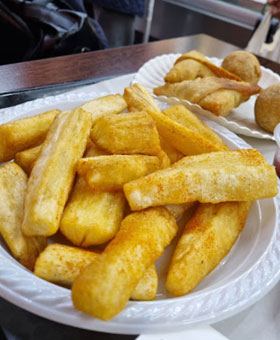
37 77
92 66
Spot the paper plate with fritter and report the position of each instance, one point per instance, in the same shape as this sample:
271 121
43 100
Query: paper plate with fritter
241 120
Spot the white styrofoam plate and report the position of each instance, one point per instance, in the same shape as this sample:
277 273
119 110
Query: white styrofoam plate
241 120
249 271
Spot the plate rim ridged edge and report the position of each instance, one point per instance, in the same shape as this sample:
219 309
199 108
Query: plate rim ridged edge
141 75
53 302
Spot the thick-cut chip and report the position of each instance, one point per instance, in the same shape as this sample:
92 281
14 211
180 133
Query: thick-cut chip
91 217
103 288
111 104
27 158
110 173
128 133
52 176
207 178
163 159
182 138
61 264
146 288
173 154
92 150
208 237
24 133
13 182
138 99
183 116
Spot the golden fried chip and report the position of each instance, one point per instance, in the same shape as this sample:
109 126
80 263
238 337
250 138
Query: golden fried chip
103 288
208 237
110 173
53 173
111 104
139 99
182 138
92 150
128 133
177 210
208 178
61 264
183 116
173 154
91 217
146 288
24 133
13 182
27 158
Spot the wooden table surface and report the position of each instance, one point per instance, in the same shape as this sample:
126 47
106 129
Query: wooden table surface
98 64
92 65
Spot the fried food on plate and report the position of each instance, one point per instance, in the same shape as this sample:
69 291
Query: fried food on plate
185 140
146 288
267 108
138 99
177 210
24 133
26 159
103 288
52 176
61 264
110 173
192 65
173 154
244 64
207 178
183 116
217 95
128 133
13 182
92 150
189 68
207 238
91 217
111 104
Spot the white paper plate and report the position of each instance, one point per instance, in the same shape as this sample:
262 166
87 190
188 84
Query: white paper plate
241 119
249 271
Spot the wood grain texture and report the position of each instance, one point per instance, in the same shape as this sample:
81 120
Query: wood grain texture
117 61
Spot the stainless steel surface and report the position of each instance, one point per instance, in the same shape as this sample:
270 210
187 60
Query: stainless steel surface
210 46
226 11
225 20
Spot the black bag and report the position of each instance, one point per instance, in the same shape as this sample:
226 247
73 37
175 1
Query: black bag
45 28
